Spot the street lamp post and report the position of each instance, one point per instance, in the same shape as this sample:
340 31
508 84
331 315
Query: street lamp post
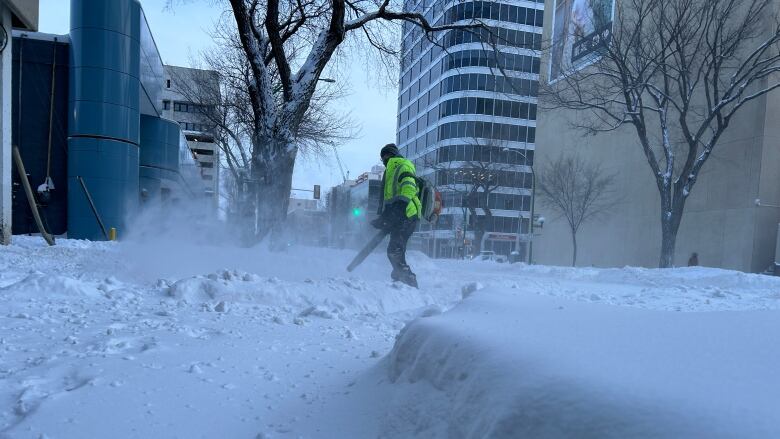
529 254
531 225
758 203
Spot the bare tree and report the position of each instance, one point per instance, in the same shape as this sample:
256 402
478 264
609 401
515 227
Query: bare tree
678 72
473 181
221 89
288 44
577 190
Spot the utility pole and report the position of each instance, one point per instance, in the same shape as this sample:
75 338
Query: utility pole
6 38
529 253
531 225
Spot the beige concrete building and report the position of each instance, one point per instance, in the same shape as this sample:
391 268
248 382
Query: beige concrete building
22 14
722 222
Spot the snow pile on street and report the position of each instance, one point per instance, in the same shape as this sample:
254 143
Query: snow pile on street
504 364
160 338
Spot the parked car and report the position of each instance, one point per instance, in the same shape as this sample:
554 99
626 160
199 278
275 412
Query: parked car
487 255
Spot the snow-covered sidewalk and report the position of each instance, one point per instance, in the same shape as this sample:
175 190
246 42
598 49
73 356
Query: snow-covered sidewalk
129 340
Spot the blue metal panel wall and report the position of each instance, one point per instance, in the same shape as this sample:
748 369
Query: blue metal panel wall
104 128
32 88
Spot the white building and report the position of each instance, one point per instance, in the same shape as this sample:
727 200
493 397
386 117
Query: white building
188 96
22 14
302 205
460 118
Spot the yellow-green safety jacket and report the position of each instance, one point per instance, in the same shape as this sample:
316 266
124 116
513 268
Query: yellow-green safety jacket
400 185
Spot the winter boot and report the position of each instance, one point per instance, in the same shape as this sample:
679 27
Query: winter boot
404 276
411 280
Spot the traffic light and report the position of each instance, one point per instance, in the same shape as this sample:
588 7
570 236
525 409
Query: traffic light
356 211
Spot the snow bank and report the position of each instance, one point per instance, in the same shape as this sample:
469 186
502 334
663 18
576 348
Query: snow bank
329 298
677 289
508 364
45 286
654 277
289 345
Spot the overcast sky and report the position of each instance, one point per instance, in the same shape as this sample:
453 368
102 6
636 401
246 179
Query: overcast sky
185 31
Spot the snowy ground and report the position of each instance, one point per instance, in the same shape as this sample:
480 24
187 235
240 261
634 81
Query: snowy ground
129 340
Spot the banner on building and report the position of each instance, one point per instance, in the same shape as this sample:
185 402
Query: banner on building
581 28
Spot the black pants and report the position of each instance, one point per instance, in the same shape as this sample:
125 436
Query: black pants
396 250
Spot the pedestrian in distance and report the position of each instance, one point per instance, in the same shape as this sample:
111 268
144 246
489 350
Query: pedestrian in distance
693 261
399 210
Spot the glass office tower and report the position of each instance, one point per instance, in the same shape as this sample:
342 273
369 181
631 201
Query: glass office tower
467 110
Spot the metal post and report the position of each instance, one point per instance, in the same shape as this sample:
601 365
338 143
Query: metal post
31 197
519 231
5 128
531 225
94 209
466 214
529 253
435 250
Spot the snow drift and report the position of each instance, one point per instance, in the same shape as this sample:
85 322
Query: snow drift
504 364
164 338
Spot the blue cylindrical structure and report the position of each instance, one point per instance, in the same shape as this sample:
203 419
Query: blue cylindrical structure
104 126
159 155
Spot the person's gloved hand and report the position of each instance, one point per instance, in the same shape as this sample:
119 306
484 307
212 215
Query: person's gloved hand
380 223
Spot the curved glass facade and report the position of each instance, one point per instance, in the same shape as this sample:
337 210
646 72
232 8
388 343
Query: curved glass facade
104 128
467 105
159 160
117 141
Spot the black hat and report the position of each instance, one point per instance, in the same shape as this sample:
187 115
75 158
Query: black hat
389 149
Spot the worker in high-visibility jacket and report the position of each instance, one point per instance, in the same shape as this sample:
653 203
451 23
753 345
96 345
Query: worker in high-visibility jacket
399 210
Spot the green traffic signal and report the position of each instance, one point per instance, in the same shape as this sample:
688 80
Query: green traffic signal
356 211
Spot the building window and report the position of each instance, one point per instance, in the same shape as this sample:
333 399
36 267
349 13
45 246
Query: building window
166 105
168 83
188 107
191 126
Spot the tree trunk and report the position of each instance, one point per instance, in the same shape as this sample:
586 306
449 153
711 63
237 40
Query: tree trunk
483 229
479 231
672 208
272 171
245 212
668 240
574 251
